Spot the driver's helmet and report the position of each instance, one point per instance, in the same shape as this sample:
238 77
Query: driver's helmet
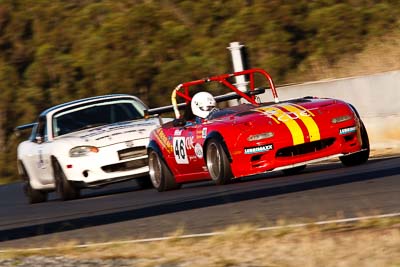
202 104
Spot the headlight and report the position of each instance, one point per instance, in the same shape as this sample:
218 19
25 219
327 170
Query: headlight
260 136
341 119
81 151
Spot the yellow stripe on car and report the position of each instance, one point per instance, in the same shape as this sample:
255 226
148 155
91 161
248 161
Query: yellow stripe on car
280 116
306 117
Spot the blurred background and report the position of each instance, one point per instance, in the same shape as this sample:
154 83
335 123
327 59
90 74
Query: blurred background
55 51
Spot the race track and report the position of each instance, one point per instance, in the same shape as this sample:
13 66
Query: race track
122 211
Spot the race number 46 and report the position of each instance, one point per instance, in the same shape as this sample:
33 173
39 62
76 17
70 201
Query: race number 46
180 150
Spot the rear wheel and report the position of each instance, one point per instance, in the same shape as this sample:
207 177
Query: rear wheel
33 195
295 170
358 157
64 188
218 163
160 175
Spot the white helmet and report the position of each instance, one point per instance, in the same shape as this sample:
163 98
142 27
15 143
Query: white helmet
202 104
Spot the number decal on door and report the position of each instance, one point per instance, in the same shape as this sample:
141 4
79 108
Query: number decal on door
180 150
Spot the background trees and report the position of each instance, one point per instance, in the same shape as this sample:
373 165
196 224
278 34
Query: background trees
52 51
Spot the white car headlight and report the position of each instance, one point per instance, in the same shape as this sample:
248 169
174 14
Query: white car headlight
81 151
260 136
341 118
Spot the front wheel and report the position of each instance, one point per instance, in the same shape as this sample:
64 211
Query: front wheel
64 188
218 163
33 195
160 175
361 156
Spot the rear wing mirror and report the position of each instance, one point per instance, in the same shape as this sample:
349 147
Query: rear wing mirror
19 129
148 114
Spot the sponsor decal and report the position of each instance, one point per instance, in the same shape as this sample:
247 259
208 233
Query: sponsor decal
140 131
204 133
100 138
162 138
290 114
198 150
107 129
199 134
258 149
178 132
189 142
347 130
41 164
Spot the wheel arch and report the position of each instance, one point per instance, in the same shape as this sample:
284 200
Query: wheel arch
353 108
216 135
54 160
23 173
26 177
153 145
364 139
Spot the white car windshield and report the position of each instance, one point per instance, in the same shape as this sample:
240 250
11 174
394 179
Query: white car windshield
96 114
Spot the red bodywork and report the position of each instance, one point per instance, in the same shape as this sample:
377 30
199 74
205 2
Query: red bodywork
293 133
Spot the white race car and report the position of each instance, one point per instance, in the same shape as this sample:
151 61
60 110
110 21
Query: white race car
86 143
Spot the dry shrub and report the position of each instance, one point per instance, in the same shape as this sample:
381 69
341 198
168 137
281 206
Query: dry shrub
380 55
374 242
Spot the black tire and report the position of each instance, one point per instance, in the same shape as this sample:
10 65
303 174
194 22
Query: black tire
33 195
160 175
218 163
144 182
64 188
358 157
295 170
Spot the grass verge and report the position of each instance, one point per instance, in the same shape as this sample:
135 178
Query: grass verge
372 242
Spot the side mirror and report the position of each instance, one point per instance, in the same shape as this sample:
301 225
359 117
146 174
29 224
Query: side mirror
39 139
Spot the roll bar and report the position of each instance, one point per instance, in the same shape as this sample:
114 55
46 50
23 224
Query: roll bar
182 90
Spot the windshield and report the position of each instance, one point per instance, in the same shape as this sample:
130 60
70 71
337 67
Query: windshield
96 114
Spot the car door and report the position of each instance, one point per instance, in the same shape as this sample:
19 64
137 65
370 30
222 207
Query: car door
188 160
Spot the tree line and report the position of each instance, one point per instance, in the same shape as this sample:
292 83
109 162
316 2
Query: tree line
53 51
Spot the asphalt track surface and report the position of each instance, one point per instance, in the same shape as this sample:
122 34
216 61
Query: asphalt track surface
124 212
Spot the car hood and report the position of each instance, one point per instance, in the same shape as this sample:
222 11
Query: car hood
113 133
285 116
282 112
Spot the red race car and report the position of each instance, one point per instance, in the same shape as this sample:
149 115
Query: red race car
250 138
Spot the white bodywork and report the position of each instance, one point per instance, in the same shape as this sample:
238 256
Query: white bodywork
120 147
